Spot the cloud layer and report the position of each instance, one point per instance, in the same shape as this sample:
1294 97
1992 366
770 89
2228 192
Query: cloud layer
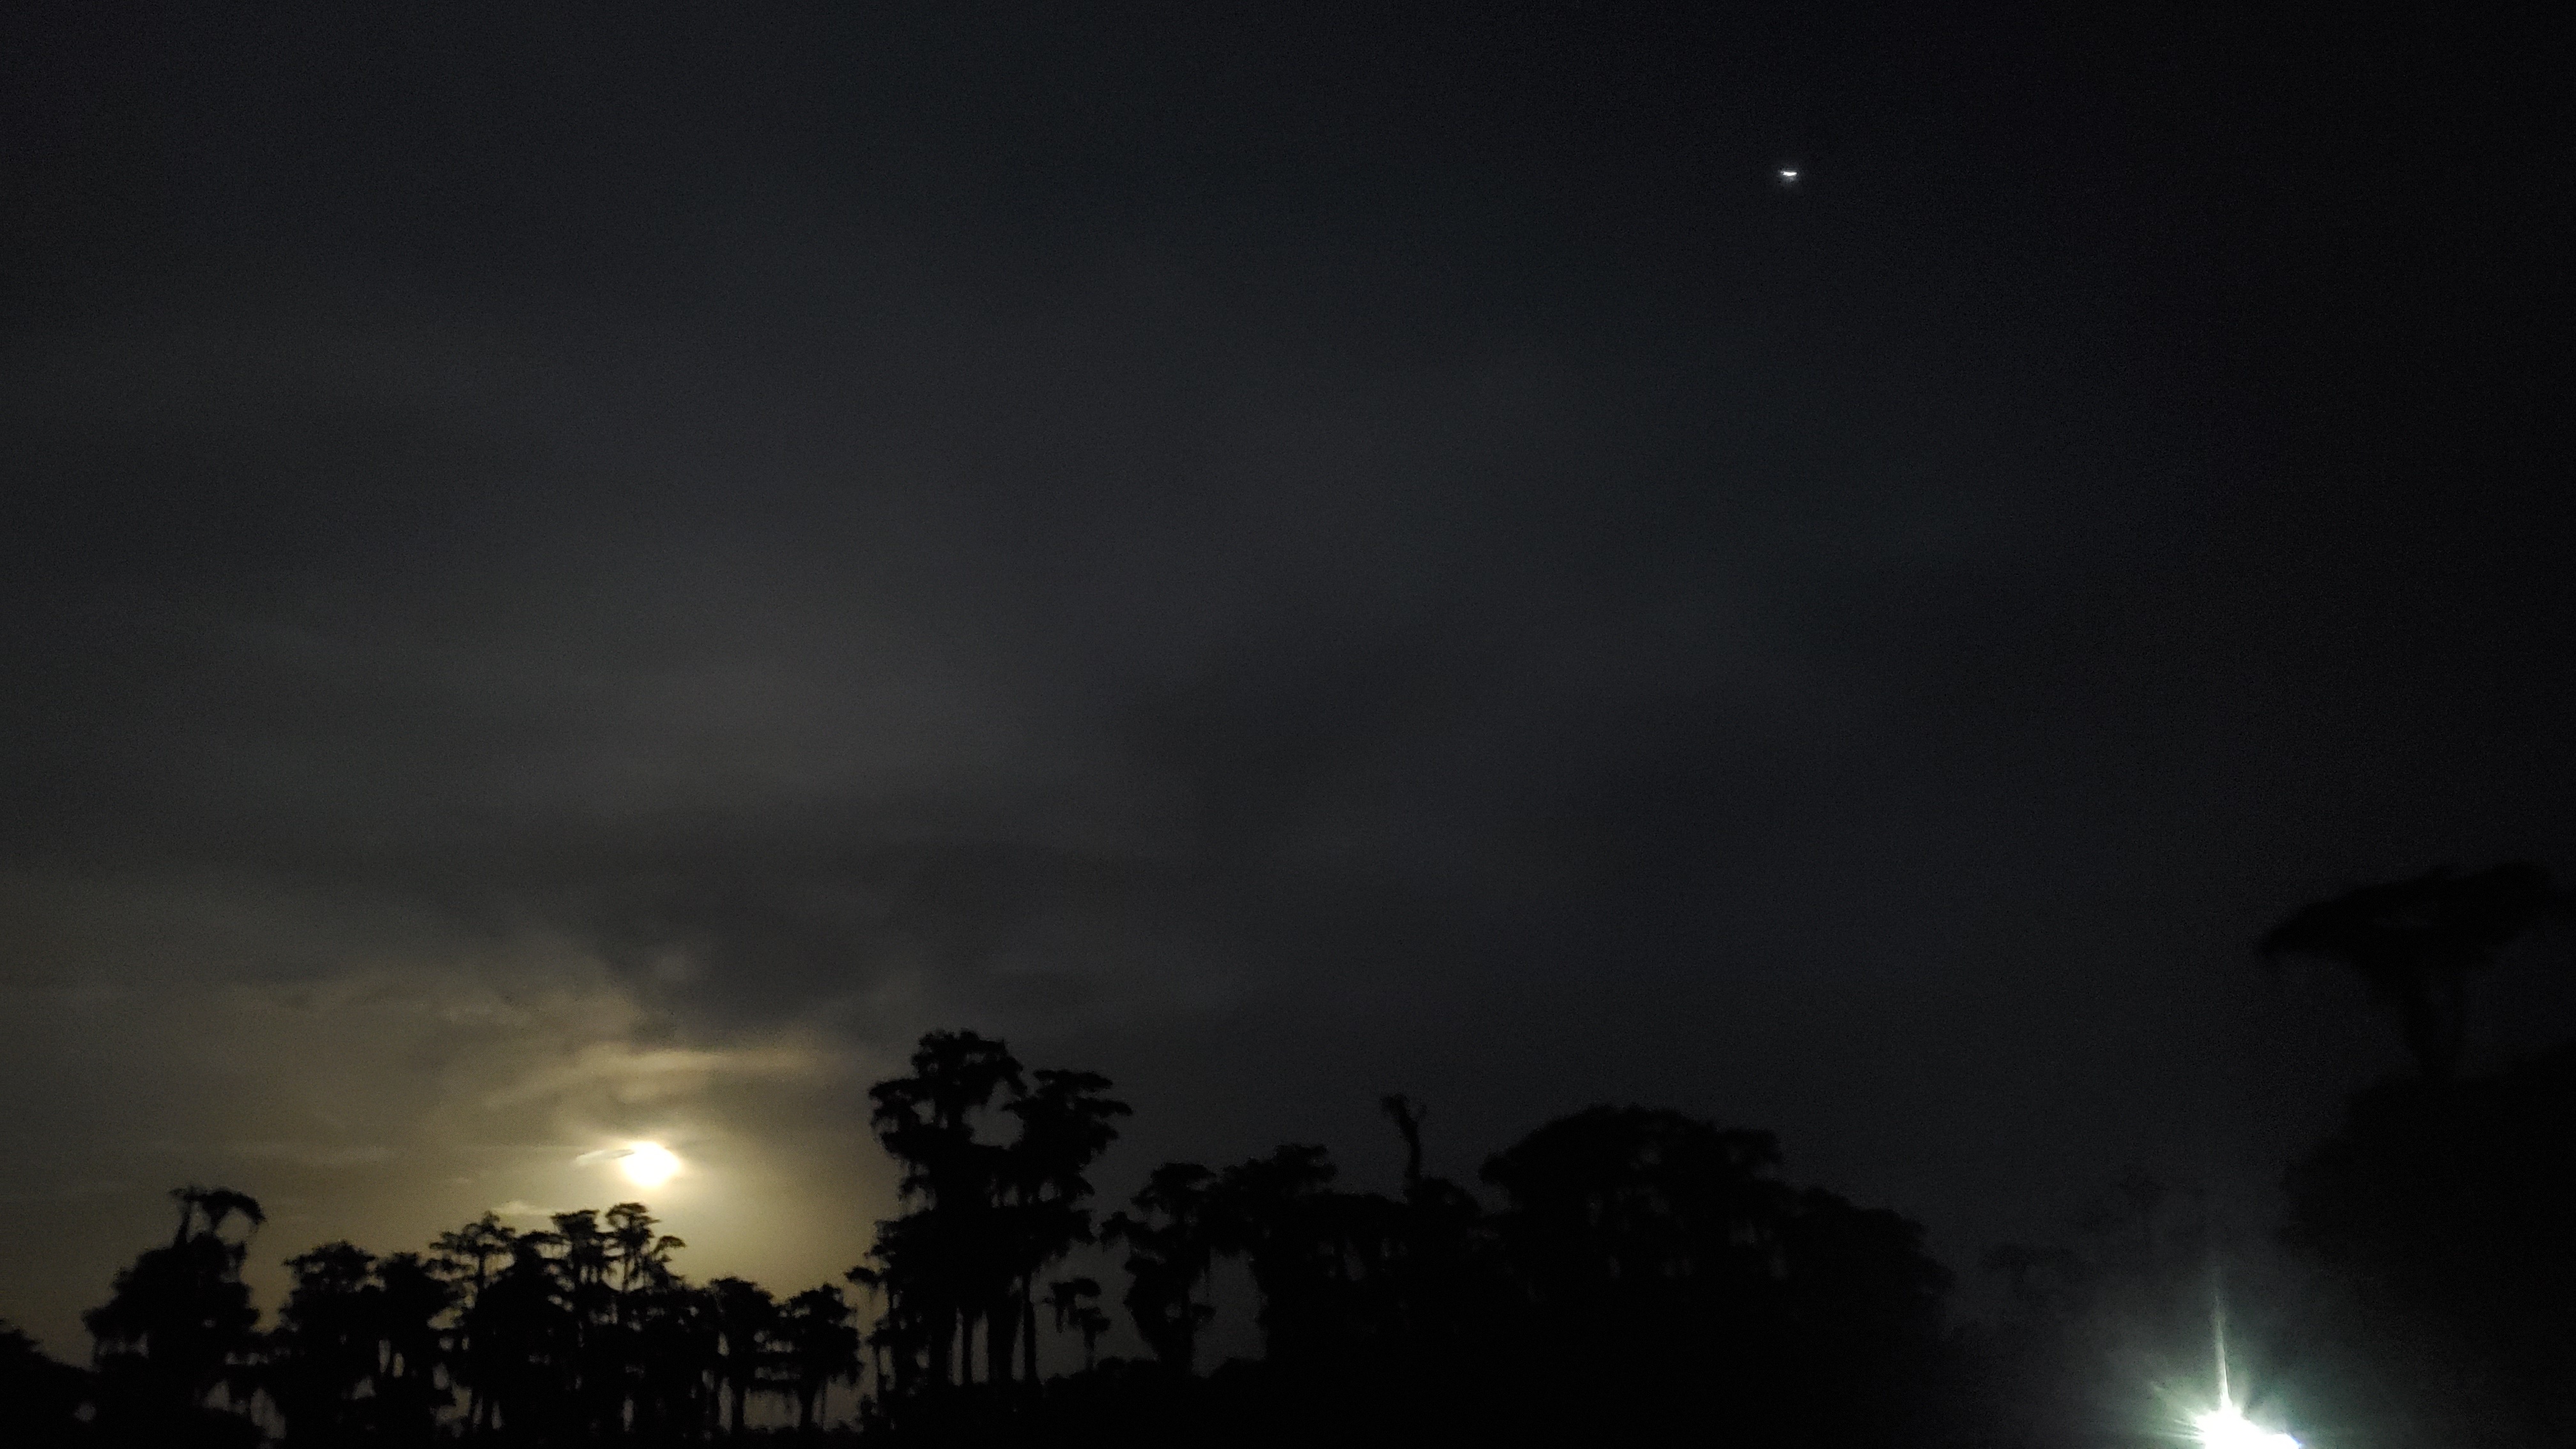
571 587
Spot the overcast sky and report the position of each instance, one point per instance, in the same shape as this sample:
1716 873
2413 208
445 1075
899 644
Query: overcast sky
583 578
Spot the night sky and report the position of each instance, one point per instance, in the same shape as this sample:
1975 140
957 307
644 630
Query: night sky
585 577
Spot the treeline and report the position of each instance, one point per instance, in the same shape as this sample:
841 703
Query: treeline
1638 1261
579 1333
1622 1272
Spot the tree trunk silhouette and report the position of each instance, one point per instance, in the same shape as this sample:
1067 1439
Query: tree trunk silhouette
1028 1329
1407 1115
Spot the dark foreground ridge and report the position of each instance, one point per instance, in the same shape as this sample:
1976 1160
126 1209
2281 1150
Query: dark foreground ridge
1625 1273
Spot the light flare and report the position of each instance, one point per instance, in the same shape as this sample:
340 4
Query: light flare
2226 1427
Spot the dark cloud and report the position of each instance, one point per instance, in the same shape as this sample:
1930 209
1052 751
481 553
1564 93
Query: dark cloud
612 569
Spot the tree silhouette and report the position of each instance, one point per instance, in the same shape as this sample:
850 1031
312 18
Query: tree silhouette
466 1259
1065 1124
356 1350
745 1318
325 1349
949 1253
817 1347
899 1272
985 1219
411 1300
40 1399
1623 1211
642 1256
585 1330
527 1344
1170 1247
1091 1323
672 1343
178 1324
582 1270
1314 1253
1658 1251
1407 1115
1072 1299
213 1206
2414 942
894 1345
2441 1208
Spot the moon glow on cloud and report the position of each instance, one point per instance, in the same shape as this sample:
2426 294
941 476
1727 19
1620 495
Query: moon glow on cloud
646 1164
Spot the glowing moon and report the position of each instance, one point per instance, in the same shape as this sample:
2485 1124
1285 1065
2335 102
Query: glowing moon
649 1164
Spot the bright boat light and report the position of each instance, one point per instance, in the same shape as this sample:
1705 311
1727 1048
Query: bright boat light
2226 1428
